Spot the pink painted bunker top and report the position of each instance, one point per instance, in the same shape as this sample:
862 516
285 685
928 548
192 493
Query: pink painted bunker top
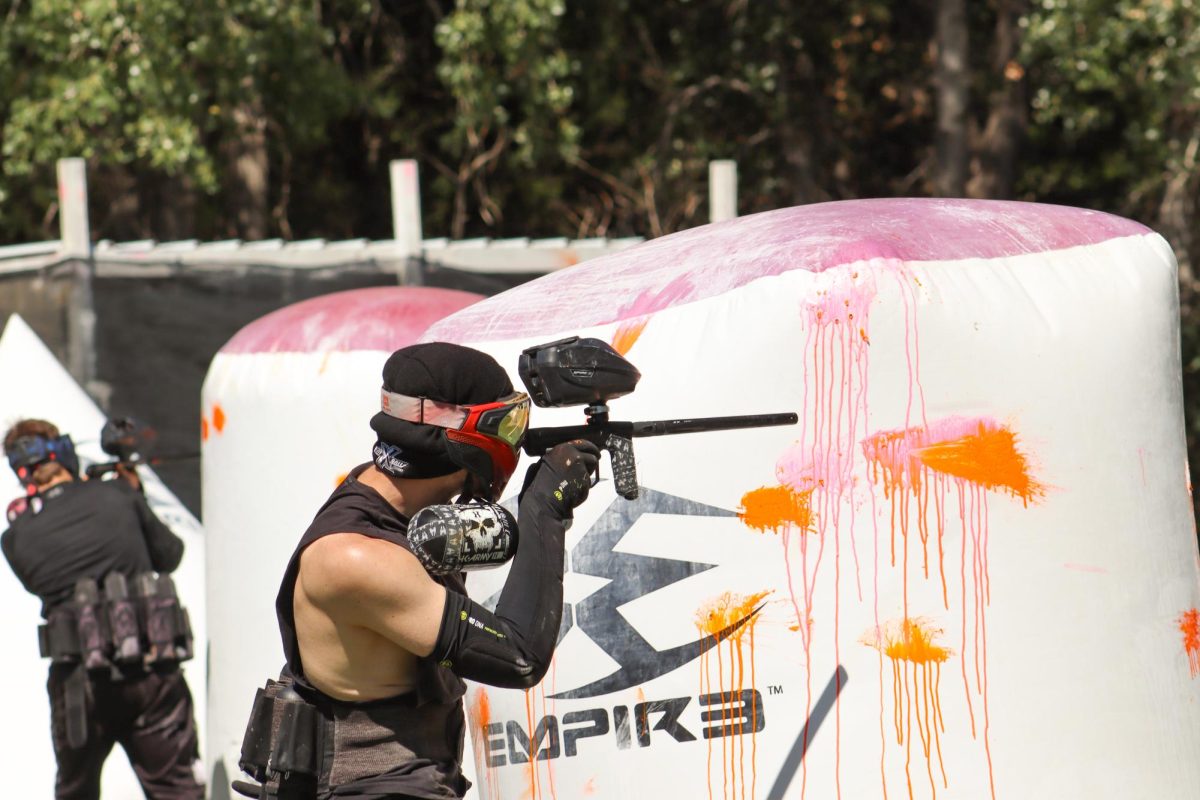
713 259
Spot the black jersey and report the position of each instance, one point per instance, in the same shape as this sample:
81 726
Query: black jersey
86 529
410 744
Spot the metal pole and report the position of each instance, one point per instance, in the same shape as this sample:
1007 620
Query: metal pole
722 190
77 250
406 206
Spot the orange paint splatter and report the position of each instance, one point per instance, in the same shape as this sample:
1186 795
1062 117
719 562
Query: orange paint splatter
916 700
978 450
534 783
627 334
738 709
726 610
482 717
204 429
590 787
341 479
987 457
1189 625
775 507
218 416
914 643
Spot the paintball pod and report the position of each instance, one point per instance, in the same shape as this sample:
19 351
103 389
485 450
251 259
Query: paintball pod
588 372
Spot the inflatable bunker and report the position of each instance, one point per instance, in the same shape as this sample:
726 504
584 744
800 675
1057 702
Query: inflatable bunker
285 407
969 571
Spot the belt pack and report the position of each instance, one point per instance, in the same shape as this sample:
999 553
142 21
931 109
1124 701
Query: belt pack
284 737
119 628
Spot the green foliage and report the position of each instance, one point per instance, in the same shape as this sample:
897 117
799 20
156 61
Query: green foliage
1117 86
587 118
151 86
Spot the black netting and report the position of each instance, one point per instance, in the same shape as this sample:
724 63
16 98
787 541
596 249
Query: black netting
154 337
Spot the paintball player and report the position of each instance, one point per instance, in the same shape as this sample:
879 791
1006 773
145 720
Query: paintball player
90 550
378 631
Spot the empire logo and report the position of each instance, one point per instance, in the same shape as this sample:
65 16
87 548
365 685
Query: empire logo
555 736
630 576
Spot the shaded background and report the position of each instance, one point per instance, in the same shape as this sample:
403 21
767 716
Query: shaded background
155 337
258 118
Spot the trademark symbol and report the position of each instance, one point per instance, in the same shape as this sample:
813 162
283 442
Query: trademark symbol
775 690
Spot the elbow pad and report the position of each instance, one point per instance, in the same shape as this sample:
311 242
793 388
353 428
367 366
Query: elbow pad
474 643
454 538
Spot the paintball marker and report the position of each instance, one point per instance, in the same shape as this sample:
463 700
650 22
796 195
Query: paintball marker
128 441
588 372
123 438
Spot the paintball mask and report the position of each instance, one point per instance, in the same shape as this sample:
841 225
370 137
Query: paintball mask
495 428
27 452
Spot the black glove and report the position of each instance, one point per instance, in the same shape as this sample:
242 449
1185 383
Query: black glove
563 476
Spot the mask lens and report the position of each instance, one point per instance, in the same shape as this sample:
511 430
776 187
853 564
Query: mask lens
507 423
512 427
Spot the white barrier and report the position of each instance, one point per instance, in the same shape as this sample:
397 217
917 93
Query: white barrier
970 571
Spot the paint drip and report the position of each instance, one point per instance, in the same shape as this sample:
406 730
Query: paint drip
916 661
725 690
925 472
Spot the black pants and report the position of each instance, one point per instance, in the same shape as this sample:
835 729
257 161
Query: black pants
150 716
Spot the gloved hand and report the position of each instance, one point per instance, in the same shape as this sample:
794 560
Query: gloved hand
562 477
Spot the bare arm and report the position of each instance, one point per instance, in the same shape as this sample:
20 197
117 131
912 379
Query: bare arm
382 587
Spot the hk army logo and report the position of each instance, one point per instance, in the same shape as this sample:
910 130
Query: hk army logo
629 577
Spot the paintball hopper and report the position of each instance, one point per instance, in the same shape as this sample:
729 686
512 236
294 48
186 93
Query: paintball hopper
125 439
575 371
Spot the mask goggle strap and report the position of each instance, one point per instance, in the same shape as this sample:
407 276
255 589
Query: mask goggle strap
506 419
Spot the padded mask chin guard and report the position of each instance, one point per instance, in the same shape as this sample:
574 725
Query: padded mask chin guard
409 450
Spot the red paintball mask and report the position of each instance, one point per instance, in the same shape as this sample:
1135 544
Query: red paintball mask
495 428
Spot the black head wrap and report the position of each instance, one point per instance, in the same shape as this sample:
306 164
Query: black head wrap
449 373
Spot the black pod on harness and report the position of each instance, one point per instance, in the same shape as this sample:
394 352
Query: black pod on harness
122 620
165 625
283 736
92 622
58 639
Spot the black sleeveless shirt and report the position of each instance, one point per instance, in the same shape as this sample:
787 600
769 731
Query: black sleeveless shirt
409 744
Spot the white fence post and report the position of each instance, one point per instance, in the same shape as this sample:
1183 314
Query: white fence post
73 208
406 206
76 246
722 190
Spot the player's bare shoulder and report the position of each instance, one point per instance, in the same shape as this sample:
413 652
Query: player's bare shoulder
346 569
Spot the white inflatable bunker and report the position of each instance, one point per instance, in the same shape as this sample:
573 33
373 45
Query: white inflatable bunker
286 404
36 385
970 571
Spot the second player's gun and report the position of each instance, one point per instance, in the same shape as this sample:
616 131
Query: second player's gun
125 439
588 372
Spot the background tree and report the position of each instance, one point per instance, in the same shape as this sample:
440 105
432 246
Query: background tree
257 118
